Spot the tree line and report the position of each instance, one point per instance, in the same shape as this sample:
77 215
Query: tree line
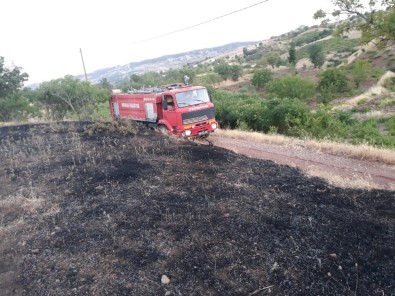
55 99
69 97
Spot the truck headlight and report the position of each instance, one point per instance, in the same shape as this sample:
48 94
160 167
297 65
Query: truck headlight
187 133
213 126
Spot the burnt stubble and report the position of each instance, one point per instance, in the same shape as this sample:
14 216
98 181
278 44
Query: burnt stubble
109 209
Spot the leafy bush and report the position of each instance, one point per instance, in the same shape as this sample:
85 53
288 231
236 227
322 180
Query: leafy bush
322 124
235 72
261 77
69 96
389 83
376 73
390 125
273 58
16 107
229 106
293 117
228 71
285 115
292 87
223 70
316 55
333 81
367 132
252 54
360 71
232 109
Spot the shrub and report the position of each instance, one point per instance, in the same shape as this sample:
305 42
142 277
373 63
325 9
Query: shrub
235 72
322 124
316 55
389 83
360 71
223 69
367 132
333 81
286 115
16 107
390 125
292 87
261 77
229 106
293 117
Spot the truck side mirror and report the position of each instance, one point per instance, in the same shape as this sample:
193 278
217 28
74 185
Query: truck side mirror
164 103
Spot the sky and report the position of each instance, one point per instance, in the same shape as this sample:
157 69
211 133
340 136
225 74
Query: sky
44 37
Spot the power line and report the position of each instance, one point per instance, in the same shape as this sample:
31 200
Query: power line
199 24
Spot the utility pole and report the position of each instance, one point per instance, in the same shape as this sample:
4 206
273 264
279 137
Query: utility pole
83 64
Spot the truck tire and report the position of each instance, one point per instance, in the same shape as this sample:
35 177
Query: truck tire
163 129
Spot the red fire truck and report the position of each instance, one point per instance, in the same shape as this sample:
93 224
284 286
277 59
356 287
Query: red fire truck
186 111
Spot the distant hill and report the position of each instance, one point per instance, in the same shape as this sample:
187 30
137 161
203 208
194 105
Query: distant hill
120 72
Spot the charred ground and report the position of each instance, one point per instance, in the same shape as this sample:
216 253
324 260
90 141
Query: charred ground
103 209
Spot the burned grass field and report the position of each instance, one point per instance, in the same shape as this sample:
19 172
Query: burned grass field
103 209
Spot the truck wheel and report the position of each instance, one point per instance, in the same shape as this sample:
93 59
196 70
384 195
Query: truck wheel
163 130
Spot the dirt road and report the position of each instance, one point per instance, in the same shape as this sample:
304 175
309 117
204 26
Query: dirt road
349 170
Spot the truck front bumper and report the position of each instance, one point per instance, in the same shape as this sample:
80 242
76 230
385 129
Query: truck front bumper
199 130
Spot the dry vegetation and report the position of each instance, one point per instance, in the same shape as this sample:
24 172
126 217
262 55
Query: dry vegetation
103 209
341 181
386 156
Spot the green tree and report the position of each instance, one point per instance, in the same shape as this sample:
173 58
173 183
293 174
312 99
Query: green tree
386 25
273 58
325 124
285 114
262 62
292 54
135 78
11 79
333 81
235 72
316 55
13 104
374 23
69 96
261 77
291 87
146 79
106 85
360 71
245 51
17 106
223 69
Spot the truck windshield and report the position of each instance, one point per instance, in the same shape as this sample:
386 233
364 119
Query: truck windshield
192 97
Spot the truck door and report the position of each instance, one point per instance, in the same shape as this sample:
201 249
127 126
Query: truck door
170 114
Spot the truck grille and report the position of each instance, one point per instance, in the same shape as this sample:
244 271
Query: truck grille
200 115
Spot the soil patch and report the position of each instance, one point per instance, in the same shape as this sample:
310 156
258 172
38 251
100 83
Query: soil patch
376 174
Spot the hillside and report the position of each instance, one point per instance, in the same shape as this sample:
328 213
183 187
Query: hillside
99 209
368 72
163 63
